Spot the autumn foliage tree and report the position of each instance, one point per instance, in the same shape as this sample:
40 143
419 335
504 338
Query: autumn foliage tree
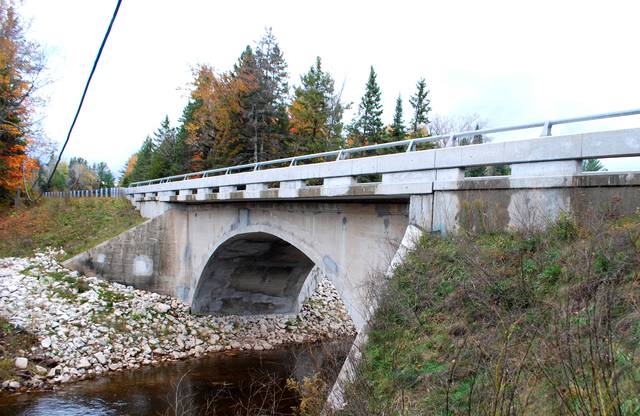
246 115
316 113
233 117
21 62
214 124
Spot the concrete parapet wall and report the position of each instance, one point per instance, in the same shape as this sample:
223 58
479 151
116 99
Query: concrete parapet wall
492 203
542 156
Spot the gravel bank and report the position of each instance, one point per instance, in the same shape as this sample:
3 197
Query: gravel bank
86 326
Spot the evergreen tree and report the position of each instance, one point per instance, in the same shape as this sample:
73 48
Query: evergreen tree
104 175
420 103
273 97
142 169
251 123
367 127
398 131
316 113
163 158
592 165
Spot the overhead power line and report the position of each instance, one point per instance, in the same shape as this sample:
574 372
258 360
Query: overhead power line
84 93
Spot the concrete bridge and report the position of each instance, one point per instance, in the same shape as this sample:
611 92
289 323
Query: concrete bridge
254 238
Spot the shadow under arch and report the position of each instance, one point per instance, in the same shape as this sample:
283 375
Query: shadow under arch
252 273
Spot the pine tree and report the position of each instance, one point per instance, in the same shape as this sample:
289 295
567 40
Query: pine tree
103 174
142 169
420 103
316 113
183 153
162 159
367 127
592 165
398 131
250 125
273 97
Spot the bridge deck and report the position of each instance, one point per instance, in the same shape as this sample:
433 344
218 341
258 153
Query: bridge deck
535 163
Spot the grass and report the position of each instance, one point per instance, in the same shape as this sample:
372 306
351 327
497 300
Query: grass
112 297
509 323
13 343
72 224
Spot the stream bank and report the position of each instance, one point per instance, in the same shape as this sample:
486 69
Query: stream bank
87 327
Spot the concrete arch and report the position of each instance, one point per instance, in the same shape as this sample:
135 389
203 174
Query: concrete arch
276 231
252 273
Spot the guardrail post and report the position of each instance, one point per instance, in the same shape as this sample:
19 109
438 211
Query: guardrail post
337 186
224 192
546 129
289 189
253 190
414 182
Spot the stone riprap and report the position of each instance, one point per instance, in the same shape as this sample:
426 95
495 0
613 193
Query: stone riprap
86 326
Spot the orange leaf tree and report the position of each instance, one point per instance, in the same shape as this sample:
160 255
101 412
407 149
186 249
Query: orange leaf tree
21 62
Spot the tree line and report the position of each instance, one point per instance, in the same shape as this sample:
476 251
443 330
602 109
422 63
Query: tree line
26 155
246 114
251 113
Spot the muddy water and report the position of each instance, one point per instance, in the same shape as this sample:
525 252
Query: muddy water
220 384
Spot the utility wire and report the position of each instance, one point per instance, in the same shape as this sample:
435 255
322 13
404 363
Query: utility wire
84 93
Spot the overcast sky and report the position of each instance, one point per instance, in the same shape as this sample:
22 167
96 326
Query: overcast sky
509 61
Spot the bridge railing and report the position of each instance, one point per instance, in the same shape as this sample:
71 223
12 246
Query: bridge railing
87 193
407 145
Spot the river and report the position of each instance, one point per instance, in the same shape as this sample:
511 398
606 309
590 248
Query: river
218 384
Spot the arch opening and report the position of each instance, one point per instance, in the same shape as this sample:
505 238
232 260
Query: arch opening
250 274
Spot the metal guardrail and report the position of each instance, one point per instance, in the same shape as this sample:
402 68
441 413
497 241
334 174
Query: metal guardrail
87 193
408 144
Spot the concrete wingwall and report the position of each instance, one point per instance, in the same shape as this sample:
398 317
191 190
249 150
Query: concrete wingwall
347 241
499 203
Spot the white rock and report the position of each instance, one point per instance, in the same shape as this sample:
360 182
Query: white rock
100 357
14 384
46 342
84 363
21 363
162 307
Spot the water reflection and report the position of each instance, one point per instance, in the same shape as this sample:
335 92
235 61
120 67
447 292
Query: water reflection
220 384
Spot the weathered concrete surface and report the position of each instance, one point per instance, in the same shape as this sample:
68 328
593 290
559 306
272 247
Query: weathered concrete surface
225 256
540 156
497 203
254 273
169 254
